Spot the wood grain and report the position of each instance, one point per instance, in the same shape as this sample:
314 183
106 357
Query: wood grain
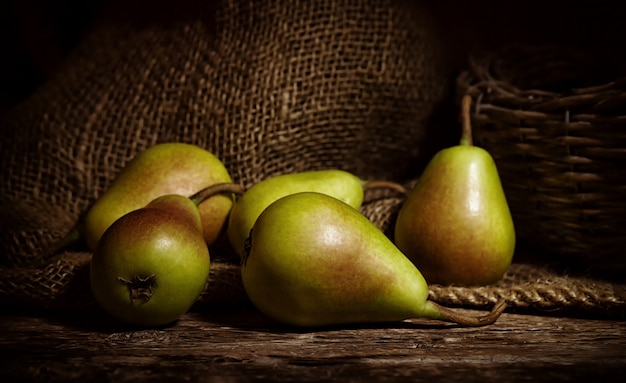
242 345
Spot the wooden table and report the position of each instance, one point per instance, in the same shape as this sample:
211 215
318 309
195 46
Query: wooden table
241 345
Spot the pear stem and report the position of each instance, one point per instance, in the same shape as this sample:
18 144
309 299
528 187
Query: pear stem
380 184
450 315
466 135
210 191
68 240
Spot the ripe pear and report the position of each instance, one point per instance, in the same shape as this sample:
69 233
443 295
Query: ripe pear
313 260
337 183
168 168
456 225
151 264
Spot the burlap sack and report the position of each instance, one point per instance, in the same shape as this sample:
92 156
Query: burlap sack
270 87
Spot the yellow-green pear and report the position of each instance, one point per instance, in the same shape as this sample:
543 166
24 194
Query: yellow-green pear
455 225
151 264
337 183
313 260
168 168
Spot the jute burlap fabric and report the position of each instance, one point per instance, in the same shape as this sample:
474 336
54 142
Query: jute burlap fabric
270 87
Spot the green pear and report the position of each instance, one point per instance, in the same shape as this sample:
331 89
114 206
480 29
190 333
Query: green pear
151 264
456 225
247 208
169 168
313 260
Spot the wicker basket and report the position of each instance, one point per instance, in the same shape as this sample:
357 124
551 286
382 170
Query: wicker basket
554 120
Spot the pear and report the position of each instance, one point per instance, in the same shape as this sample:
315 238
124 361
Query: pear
168 168
455 225
340 184
337 183
151 264
313 260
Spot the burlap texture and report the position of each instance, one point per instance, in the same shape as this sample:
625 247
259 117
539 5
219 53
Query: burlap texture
270 87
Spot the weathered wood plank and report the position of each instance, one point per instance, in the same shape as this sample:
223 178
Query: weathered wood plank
241 344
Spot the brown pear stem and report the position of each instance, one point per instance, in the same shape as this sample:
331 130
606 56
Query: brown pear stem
466 135
450 315
68 240
220 188
382 184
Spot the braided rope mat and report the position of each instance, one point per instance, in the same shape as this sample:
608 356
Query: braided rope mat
527 288
63 283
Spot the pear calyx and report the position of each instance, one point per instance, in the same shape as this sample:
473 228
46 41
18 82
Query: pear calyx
247 246
219 188
139 288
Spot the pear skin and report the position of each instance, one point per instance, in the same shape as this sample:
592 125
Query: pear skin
455 225
337 183
169 168
151 264
313 260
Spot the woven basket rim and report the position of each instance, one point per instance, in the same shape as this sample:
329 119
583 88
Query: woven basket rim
483 78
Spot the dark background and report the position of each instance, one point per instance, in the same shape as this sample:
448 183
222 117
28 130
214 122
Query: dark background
35 35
